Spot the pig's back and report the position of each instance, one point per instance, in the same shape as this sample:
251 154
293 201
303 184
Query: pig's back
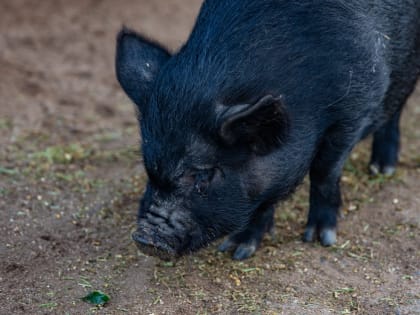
398 24
324 57
281 43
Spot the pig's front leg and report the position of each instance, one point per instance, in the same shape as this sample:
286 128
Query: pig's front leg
325 195
245 243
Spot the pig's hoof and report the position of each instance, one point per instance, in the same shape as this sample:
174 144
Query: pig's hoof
244 251
241 250
388 170
227 245
309 234
327 236
376 169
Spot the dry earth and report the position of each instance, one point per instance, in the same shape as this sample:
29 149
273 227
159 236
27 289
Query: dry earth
71 175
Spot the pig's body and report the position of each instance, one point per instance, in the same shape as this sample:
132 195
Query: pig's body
262 93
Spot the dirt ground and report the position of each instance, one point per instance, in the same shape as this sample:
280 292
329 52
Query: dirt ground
71 175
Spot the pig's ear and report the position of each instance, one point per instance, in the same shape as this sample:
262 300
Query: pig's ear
262 126
137 64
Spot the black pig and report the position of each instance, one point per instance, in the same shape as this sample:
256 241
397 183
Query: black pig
262 93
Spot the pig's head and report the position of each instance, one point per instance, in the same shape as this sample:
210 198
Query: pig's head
204 158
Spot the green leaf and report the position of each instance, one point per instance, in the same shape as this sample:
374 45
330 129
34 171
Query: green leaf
96 298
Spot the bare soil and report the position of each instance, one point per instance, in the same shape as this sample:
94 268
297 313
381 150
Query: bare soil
71 175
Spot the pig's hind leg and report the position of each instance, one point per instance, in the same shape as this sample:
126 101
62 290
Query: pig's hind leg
385 147
325 195
386 140
245 243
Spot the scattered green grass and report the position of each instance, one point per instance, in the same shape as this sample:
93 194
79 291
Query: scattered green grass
5 123
63 154
50 305
108 136
83 282
8 171
237 282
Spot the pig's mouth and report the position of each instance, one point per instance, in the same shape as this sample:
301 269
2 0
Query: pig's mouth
153 246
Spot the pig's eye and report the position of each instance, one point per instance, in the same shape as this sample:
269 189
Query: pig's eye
199 179
202 181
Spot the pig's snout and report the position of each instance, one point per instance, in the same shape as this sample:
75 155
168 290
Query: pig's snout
164 233
153 247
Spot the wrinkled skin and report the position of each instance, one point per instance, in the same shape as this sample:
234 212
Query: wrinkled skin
263 93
